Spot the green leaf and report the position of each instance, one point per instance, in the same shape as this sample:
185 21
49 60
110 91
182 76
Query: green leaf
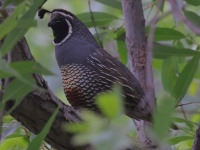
101 133
18 31
177 140
185 78
7 71
13 136
112 3
121 35
11 22
193 17
161 34
29 67
164 51
122 50
166 34
100 18
7 2
16 90
17 69
18 143
27 23
187 122
193 2
37 141
162 117
110 103
9 131
169 71
77 127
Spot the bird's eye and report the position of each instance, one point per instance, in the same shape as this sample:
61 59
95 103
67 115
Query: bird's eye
56 21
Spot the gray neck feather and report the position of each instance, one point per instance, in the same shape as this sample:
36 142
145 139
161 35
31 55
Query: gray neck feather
82 32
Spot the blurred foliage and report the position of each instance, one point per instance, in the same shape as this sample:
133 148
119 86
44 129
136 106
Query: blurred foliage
176 56
110 133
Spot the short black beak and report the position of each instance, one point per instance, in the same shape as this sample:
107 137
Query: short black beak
51 23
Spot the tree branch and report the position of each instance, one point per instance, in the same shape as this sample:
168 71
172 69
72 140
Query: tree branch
177 12
139 60
189 103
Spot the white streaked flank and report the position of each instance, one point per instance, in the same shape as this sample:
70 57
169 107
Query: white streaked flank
110 62
94 58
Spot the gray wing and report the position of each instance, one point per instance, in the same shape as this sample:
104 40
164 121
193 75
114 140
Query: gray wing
112 70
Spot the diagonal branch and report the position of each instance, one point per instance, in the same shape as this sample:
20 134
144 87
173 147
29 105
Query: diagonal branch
177 12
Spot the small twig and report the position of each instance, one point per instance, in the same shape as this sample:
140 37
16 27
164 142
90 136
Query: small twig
150 90
177 12
120 27
149 6
184 114
94 24
187 104
189 112
159 18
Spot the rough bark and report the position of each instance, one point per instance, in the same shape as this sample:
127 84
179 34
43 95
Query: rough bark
135 37
136 44
196 145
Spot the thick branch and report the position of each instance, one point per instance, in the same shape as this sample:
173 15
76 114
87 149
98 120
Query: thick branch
135 37
136 44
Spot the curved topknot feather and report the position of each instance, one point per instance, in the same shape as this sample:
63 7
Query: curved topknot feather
42 12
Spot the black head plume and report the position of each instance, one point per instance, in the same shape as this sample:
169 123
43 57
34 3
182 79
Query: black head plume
42 12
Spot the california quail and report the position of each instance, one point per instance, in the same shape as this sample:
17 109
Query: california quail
87 69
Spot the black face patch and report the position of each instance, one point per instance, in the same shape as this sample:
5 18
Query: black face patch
60 29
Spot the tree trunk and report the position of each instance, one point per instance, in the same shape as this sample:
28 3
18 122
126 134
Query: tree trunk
136 43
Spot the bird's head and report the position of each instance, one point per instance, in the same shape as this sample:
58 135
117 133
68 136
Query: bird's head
65 25
61 22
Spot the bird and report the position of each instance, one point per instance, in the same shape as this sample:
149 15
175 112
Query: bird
88 70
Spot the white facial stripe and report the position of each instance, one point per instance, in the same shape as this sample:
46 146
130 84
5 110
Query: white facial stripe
61 13
68 35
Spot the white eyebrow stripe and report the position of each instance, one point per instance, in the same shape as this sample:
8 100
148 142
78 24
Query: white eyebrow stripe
62 13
